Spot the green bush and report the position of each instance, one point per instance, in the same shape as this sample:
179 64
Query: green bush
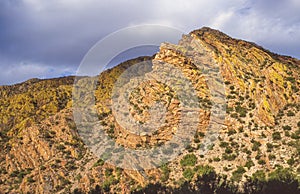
238 174
261 162
165 172
60 147
108 172
241 110
223 144
290 113
269 147
272 157
210 147
188 174
234 115
188 160
201 134
229 109
249 164
100 162
259 175
295 135
281 174
231 132
30 180
229 157
204 170
287 128
287 133
291 79
256 145
291 161
228 150
276 136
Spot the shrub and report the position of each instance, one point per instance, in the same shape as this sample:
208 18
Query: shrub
196 140
238 174
210 147
241 129
276 136
249 164
188 174
287 134
281 174
228 150
291 161
290 113
78 177
291 79
295 88
189 148
256 145
287 128
30 180
165 172
188 160
259 175
229 157
261 162
230 97
234 115
204 170
295 136
100 162
223 144
269 147
60 147
108 172
272 157
229 109
231 132
241 110
201 134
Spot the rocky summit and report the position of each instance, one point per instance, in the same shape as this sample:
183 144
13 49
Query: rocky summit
211 114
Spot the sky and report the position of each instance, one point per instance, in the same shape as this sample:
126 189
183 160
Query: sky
44 39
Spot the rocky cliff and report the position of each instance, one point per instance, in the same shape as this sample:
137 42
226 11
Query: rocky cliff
256 138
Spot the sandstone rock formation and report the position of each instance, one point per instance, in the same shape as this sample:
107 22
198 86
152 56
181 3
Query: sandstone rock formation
240 104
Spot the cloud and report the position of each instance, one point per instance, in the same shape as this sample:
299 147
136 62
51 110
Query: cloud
58 33
21 72
272 24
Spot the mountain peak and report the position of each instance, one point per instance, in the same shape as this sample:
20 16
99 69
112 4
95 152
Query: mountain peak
207 30
212 37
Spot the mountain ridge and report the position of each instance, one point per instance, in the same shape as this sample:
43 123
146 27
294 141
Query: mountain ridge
260 136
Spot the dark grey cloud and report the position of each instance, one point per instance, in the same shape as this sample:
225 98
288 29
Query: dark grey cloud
274 24
50 38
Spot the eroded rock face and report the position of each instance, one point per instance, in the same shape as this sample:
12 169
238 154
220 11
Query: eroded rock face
43 152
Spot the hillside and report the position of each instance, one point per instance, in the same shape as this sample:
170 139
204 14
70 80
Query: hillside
252 141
